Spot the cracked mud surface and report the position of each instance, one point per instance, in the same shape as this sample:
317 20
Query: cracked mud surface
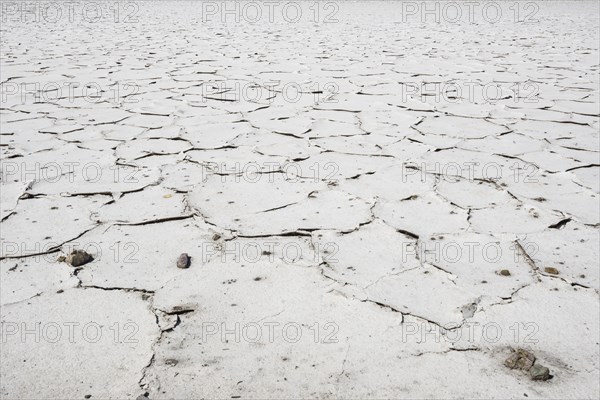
357 239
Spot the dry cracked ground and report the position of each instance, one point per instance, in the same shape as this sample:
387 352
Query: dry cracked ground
375 204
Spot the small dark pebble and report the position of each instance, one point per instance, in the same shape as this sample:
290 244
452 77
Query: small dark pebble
183 261
78 258
539 373
504 272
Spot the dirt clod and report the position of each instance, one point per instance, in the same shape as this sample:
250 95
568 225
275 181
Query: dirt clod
520 359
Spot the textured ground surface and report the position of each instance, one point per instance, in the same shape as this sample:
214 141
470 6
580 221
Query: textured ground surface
374 205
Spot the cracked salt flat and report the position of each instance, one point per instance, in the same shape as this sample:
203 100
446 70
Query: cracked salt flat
407 237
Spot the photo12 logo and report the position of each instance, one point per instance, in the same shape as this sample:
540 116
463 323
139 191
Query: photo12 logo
253 12
253 172
59 12
68 332
268 92
252 252
67 171
269 332
125 252
69 91
471 92
472 333
472 12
